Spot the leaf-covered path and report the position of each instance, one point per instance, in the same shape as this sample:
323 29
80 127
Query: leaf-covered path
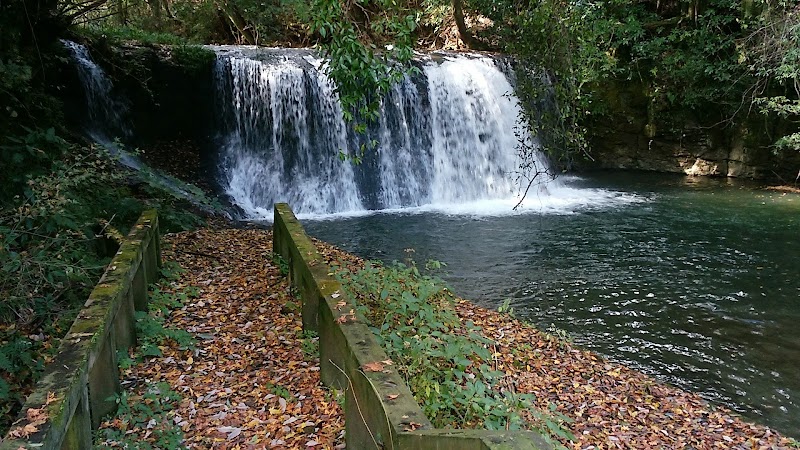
249 384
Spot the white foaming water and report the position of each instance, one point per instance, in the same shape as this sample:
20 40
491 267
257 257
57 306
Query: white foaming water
446 137
278 119
563 200
107 113
473 119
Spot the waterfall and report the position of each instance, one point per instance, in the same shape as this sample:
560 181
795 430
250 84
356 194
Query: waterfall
445 137
107 114
108 122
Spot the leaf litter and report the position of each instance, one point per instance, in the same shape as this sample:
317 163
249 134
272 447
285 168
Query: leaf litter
611 406
247 384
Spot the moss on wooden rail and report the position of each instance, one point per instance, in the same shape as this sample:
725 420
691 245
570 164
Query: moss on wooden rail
73 394
380 411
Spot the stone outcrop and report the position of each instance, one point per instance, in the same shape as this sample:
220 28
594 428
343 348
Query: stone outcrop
630 136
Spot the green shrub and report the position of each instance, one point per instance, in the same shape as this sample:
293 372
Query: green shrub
146 415
193 58
117 34
446 363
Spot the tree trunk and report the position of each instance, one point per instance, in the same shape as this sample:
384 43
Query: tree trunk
463 32
155 7
238 22
122 12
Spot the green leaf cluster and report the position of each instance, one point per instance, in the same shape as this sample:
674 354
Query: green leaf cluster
447 363
150 330
150 412
369 46
18 361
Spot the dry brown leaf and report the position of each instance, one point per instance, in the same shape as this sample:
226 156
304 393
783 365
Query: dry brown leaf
375 366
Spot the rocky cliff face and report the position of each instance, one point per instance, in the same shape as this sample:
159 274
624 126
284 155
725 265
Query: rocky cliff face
168 91
630 137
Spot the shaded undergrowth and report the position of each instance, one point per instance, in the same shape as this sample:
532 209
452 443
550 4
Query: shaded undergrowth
145 417
56 238
448 363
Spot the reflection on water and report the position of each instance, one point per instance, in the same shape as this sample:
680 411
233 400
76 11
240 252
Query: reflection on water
698 285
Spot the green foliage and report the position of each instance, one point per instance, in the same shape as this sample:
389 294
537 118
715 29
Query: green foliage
773 57
446 363
171 271
368 47
150 330
47 236
116 34
18 362
153 334
280 391
149 414
309 343
506 308
28 113
50 259
559 336
283 266
193 58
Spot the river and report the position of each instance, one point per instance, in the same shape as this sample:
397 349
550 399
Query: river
692 280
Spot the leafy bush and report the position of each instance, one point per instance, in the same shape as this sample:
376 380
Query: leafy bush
193 58
118 34
446 363
148 414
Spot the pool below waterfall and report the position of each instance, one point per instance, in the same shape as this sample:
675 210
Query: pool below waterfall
695 281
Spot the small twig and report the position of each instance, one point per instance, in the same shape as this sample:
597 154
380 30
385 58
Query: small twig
108 223
205 255
360 413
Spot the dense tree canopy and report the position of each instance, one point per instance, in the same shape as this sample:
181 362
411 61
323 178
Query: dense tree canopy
721 59
731 57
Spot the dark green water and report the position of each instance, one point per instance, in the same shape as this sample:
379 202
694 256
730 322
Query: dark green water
698 284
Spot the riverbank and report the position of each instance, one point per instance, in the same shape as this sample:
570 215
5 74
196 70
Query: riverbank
785 189
253 380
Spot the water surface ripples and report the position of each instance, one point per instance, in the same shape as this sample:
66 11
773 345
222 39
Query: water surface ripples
696 285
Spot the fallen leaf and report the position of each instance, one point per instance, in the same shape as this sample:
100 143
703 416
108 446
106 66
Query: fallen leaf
411 426
376 366
232 432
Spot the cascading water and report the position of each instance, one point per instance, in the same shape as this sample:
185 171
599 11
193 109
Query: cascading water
445 137
107 119
108 122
